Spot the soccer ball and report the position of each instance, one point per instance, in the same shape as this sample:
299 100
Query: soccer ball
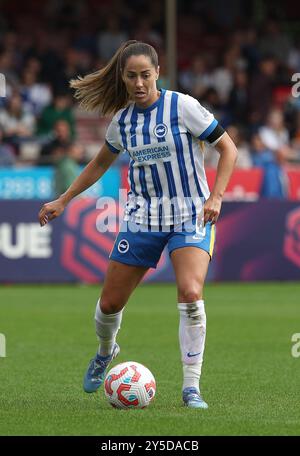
129 385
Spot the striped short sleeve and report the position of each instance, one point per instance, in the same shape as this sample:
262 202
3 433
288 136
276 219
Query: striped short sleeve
199 121
112 137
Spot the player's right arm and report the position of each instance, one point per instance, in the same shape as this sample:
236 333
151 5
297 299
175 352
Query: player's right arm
91 173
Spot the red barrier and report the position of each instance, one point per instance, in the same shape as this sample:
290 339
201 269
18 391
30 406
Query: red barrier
244 185
293 175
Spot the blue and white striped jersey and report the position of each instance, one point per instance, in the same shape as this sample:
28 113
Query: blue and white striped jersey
166 172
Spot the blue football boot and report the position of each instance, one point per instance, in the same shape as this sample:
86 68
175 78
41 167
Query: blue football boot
96 372
192 398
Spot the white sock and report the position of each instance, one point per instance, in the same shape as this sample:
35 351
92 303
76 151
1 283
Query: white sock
191 376
192 331
107 327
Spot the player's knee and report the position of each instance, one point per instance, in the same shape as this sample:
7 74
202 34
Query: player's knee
190 293
109 306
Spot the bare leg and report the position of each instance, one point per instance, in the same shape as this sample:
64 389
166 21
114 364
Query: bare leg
120 281
190 266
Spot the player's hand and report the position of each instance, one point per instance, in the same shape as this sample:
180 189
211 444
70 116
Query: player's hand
50 211
212 209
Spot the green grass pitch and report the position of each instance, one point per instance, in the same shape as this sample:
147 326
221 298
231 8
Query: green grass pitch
250 378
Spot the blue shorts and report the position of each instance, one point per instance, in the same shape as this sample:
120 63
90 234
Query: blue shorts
138 246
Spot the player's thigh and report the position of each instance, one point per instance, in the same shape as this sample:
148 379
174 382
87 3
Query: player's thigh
190 266
120 281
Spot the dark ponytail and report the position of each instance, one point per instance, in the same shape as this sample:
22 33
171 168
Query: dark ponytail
104 90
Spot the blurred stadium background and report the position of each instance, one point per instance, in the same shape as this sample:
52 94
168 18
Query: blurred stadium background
239 59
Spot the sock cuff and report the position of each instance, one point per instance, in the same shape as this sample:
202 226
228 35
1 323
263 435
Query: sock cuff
196 306
99 315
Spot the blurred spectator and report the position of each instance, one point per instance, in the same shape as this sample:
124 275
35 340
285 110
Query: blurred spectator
294 57
17 124
7 156
7 68
76 61
12 49
67 166
274 41
111 39
147 34
249 48
33 65
275 136
244 159
196 80
61 140
36 96
274 181
238 98
60 109
260 90
49 60
222 76
211 101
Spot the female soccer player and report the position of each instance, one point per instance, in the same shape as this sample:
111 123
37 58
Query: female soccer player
168 202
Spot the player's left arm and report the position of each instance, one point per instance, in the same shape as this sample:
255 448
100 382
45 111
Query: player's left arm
228 155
